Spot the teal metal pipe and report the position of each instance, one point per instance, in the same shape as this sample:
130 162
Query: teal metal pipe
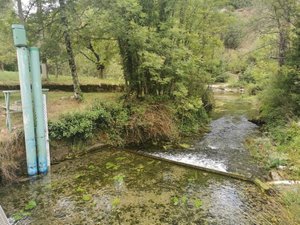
38 109
20 42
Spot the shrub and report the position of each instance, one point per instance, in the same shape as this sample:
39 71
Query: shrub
281 99
191 115
222 78
142 122
233 36
237 4
12 156
82 126
151 124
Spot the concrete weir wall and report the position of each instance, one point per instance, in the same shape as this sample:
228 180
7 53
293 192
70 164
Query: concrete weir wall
69 88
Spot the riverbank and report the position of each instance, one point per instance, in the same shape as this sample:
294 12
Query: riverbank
282 160
12 152
112 123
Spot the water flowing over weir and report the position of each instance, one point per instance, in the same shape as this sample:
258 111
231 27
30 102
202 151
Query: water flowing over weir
222 149
118 187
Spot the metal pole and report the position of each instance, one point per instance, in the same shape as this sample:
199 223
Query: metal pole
7 105
20 42
38 109
46 132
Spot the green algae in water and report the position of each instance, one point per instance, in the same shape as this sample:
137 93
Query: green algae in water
144 196
23 213
30 205
20 215
87 198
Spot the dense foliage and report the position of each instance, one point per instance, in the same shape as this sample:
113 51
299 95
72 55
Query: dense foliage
147 122
168 52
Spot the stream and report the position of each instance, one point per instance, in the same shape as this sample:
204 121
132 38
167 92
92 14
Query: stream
119 187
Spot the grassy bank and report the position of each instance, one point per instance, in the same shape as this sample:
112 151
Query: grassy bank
12 154
278 150
12 78
58 103
107 119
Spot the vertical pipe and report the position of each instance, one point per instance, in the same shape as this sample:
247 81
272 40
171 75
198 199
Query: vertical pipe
20 42
38 109
28 121
46 132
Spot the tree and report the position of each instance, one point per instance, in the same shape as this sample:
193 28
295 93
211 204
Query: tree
20 11
165 45
281 96
278 17
69 49
7 50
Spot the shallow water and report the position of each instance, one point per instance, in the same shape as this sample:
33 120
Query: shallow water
223 147
118 187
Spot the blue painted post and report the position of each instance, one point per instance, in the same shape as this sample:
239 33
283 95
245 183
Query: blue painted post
38 109
20 42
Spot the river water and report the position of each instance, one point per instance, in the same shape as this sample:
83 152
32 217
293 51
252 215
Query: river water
222 148
118 187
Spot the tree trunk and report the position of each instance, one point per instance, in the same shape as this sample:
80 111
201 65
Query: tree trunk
282 47
20 11
100 70
45 71
99 66
56 69
2 66
68 43
41 36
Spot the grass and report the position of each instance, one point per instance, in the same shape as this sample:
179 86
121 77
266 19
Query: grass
12 78
59 103
292 201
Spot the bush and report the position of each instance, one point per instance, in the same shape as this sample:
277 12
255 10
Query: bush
83 125
150 121
237 4
233 36
222 78
281 99
191 115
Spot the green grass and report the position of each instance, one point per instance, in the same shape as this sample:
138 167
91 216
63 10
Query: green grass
60 103
12 78
292 201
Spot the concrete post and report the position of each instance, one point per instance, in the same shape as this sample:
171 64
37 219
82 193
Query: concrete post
20 42
38 109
